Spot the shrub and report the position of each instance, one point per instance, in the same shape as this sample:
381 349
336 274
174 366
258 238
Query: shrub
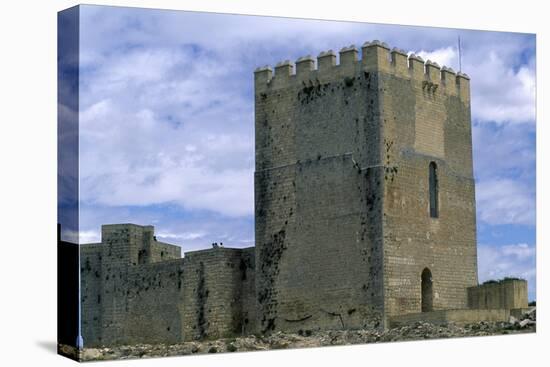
231 347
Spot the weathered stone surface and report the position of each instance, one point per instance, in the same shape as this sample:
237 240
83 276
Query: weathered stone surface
459 317
138 290
507 293
342 191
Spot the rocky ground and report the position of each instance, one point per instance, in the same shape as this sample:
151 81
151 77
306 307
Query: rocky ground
418 331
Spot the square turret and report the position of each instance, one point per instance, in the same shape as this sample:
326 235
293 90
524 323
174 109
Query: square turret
351 160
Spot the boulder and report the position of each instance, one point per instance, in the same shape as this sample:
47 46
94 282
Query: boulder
526 322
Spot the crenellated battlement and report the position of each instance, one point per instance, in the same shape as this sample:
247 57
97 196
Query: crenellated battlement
375 56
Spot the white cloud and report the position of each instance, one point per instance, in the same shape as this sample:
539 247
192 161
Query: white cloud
505 201
153 134
167 112
80 237
89 236
500 92
444 56
504 168
521 251
181 236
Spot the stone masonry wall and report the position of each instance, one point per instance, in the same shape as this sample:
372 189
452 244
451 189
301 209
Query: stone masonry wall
343 230
509 294
425 114
217 284
114 274
318 204
150 295
445 317
159 297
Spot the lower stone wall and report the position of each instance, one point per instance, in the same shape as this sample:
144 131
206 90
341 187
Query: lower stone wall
164 251
217 283
510 293
152 295
318 246
248 292
206 294
454 316
142 301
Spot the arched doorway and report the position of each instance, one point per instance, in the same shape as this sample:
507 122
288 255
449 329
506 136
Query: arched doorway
427 290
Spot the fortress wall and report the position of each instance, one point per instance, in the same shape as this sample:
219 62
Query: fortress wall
107 283
508 294
393 114
414 241
457 317
248 291
426 118
164 251
152 295
122 245
143 301
164 300
275 209
159 297
213 295
324 278
318 243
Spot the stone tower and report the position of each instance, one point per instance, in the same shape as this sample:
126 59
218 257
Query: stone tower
364 190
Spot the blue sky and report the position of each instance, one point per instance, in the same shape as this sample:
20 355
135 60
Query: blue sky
167 122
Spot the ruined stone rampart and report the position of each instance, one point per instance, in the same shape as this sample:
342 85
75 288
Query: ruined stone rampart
138 290
507 293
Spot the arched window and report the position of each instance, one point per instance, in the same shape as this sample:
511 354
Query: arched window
434 202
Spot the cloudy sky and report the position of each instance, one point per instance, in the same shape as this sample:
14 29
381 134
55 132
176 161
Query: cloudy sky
167 122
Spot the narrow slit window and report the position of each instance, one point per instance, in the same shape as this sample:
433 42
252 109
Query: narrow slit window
434 202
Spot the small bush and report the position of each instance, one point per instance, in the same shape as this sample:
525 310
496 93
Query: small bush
213 350
510 278
231 347
496 281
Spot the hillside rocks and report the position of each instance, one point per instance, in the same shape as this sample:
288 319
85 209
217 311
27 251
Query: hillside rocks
306 339
528 319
